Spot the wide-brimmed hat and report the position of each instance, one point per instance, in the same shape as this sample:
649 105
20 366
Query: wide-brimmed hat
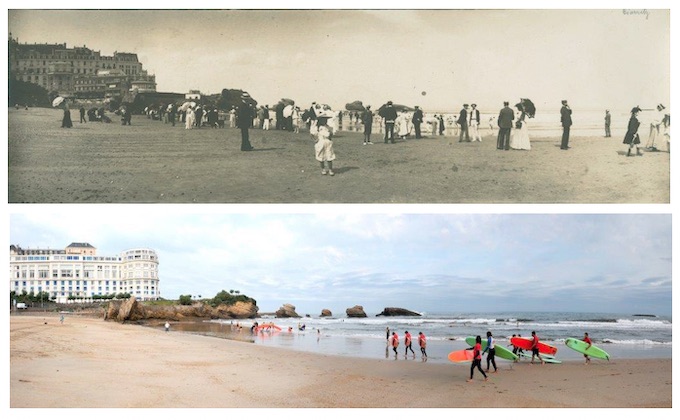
636 109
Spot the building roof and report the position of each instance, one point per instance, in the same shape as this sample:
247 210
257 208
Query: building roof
80 245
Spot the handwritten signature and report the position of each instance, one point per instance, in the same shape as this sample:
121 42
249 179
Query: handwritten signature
642 12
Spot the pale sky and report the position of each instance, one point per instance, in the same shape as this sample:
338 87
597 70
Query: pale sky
594 58
424 262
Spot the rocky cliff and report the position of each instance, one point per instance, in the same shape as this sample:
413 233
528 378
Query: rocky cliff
133 310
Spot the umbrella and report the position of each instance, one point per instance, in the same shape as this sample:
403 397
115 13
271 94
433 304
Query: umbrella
288 111
57 101
529 107
186 105
355 106
287 101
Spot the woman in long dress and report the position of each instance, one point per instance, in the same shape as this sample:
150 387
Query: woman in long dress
632 138
519 139
404 128
190 119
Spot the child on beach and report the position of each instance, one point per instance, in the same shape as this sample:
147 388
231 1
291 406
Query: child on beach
477 359
324 150
422 341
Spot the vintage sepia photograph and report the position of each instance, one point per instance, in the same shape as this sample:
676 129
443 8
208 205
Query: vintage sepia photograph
339 106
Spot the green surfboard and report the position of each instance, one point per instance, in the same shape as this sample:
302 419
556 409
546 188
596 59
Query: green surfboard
501 351
580 346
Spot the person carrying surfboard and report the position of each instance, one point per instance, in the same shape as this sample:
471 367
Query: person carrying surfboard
395 343
534 348
491 349
586 339
477 359
408 345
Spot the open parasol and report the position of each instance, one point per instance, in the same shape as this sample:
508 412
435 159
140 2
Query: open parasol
57 101
529 107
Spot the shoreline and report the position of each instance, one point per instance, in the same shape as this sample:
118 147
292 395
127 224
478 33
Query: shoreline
88 362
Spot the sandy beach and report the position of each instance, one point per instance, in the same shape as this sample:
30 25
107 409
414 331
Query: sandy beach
87 362
153 162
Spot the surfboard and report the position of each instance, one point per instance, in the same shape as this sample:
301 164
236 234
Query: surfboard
525 343
580 346
546 358
501 351
265 327
459 356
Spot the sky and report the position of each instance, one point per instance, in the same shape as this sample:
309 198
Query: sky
426 262
437 59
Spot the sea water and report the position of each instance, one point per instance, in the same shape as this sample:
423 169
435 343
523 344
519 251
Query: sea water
621 335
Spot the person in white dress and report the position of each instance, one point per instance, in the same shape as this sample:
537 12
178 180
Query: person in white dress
403 122
323 150
190 119
519 138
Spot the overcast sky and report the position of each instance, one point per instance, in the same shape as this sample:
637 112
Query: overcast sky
437 59
423 262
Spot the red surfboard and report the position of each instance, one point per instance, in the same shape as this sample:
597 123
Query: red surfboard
525 343
461 356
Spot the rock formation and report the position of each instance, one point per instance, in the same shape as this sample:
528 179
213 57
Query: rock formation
397 312
287 311
133 310
326 312
356 312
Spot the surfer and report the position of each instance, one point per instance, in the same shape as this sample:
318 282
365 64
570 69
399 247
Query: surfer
477 359
422 341
491 349
534 348
586 339
408 345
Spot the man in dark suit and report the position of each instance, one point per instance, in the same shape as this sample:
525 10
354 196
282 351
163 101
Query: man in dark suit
417 120
244 121
463 122
389 115
565 114
505 118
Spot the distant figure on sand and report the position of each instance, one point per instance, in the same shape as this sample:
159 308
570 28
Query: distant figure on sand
417 120
408 345
475 135
477 359
632 138
323 149
463 122
395 343
66 120
586 339
244 121
389 115
565 118
519 140
82 115
422 341
61 318
167 326
505 118
607 124
367 120
655 128
534 348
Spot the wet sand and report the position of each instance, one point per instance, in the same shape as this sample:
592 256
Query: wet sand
88 362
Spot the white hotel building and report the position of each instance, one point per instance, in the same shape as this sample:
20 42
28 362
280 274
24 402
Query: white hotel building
80 273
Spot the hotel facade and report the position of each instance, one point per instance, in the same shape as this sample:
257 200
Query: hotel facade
77 273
